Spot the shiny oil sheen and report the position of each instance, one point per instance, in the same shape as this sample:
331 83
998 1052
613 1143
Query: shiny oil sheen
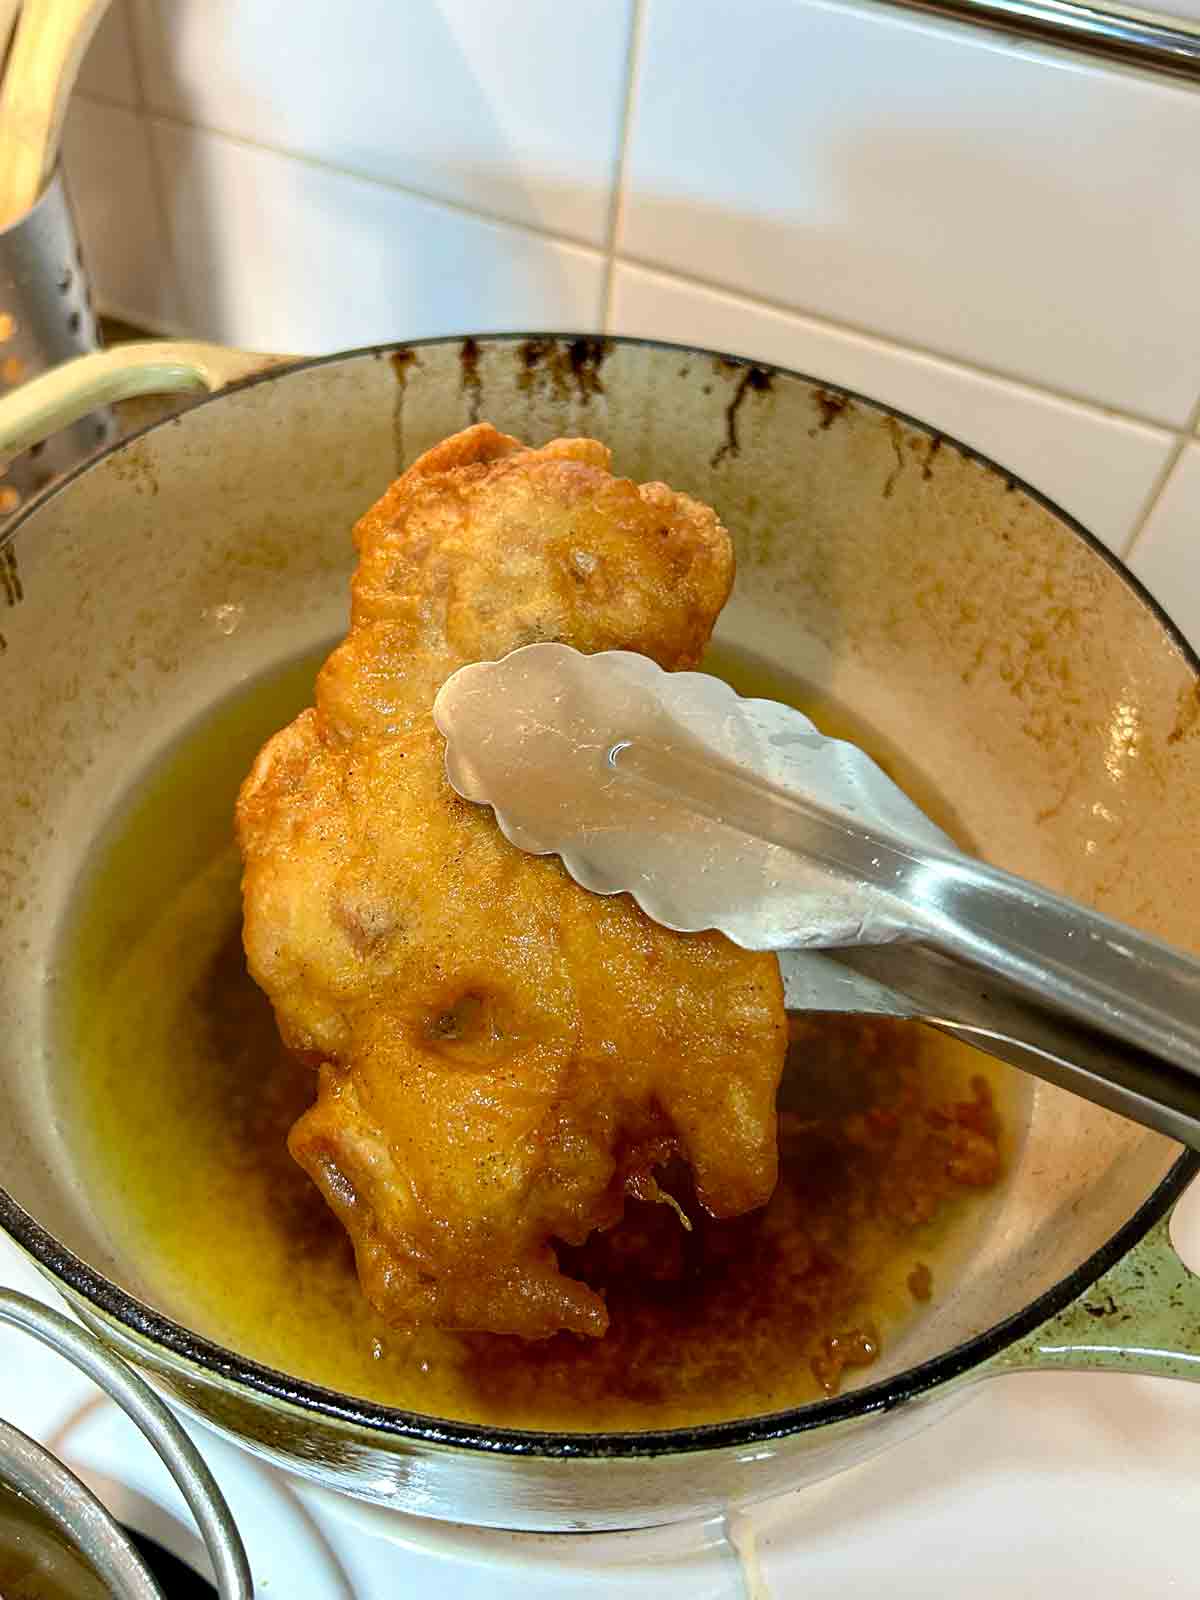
181 1097
36 1562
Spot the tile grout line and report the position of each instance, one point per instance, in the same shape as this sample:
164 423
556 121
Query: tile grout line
138 107
611 256
633 59
175 288
1182 439
108 102
147 115
904 346
495 219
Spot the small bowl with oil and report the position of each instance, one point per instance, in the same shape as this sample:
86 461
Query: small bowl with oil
57 1542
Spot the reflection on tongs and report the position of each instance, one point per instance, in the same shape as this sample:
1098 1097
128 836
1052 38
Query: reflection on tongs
717 812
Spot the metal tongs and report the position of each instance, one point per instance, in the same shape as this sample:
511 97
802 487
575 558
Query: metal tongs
714 811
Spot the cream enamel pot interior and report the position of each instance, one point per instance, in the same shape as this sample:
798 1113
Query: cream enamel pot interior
895 572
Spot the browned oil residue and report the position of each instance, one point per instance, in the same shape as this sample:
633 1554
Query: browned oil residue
920 1281
569 366
10 577
402 362
472 382
132 465
754 380
935 444
1106 1309
831 405
740 1308
37 1561
897 437
1187 716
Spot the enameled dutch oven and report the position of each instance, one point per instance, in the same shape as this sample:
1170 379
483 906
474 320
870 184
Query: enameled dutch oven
895 572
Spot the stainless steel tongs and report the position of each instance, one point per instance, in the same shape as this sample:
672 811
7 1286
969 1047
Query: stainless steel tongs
718 812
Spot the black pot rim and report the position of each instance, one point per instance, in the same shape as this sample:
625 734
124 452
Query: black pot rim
177 1341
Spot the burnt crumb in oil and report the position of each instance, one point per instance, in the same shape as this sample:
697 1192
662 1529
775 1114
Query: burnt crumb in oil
867 1160
920 1282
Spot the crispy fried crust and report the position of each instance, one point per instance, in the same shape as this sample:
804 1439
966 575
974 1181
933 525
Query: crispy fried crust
502 1055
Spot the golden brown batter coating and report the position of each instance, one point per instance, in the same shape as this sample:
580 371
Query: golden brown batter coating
503 1056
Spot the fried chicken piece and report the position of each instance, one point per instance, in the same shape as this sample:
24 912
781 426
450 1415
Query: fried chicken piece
502 1056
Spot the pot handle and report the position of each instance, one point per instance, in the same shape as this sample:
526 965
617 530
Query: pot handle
144 1408
55 399
1141 1316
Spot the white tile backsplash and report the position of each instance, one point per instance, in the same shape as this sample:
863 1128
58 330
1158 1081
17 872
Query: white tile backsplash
514 110
111 181
1000 238
1166 556
1099 468
1030 212
278 254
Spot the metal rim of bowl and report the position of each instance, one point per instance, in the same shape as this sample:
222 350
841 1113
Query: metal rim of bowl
157 1329
70 1507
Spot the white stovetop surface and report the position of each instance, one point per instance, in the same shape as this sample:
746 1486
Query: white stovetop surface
1067 1485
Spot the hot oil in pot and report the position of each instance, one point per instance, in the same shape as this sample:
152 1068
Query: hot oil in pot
181 1096
36 1561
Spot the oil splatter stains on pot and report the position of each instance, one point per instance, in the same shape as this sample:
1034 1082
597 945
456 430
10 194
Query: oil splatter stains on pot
10 577
896 435
831 406
754 380
569 366
133 465
1187 715
472 383
403 361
